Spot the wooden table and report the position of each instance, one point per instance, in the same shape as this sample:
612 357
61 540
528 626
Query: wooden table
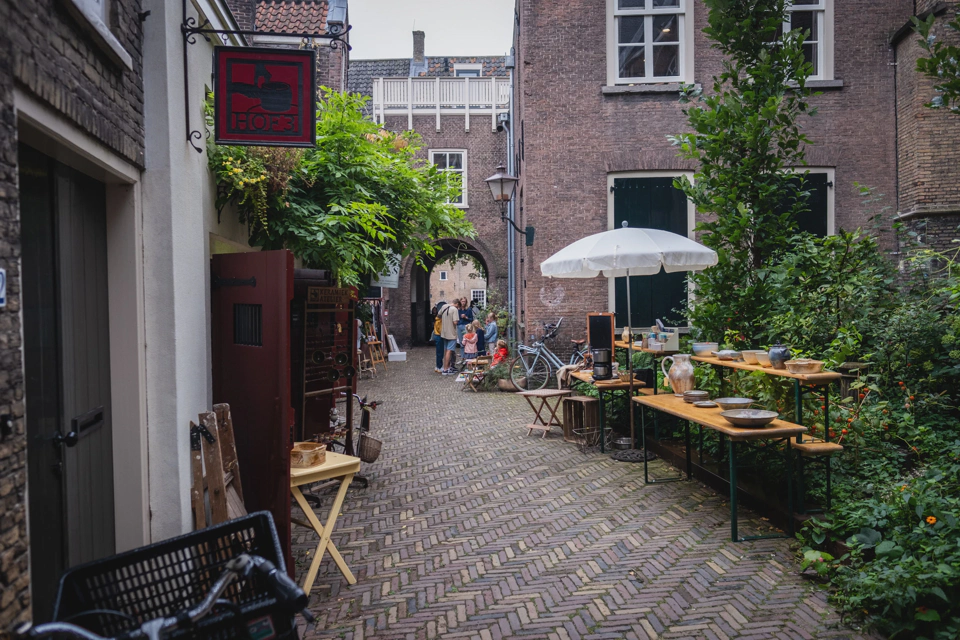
602 387
545 396
778 430
337 466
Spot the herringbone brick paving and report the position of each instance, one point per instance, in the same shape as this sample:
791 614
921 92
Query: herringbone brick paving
471 529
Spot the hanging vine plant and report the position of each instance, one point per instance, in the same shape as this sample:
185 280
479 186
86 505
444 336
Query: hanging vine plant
351 204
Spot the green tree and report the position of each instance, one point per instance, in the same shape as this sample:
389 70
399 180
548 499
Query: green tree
943 65
745 136
351 204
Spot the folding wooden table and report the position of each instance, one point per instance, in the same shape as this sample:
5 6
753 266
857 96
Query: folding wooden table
546 396
336 466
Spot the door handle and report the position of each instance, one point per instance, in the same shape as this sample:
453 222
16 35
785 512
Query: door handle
68 440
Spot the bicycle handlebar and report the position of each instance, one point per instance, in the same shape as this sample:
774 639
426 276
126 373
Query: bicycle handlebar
290 597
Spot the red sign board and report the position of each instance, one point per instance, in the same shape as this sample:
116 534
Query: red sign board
265 97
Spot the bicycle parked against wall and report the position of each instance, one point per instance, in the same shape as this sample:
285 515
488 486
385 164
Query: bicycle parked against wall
535 364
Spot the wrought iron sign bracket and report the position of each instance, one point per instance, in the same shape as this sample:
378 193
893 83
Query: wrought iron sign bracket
337 33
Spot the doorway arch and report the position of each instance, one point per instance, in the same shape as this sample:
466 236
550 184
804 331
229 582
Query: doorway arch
410 305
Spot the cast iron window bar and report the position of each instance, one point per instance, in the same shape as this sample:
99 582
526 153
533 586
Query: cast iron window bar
337 32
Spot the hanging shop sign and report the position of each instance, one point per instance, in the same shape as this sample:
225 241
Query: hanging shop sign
265 97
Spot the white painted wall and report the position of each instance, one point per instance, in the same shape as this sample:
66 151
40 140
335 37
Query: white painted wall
179 213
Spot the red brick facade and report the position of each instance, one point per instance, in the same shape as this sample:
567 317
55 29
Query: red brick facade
571 134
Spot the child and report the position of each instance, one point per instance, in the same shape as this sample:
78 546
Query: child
470 343
502 352
491 334
481 341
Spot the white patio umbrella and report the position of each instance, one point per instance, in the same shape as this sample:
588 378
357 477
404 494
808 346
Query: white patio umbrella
628 252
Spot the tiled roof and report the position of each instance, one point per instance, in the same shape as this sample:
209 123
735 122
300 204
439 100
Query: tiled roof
292 16
443 66
361 73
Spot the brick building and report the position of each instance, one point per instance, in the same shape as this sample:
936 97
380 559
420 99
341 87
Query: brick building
109 222
464 135
596 97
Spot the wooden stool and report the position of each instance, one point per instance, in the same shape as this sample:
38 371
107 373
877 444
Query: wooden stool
814 450
475 371
581 415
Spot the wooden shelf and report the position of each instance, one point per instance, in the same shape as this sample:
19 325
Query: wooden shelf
822 377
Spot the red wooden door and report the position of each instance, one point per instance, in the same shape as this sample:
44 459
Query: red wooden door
250 300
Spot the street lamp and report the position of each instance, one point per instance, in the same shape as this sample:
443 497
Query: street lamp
502 186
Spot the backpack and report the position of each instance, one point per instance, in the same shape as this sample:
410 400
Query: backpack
437 324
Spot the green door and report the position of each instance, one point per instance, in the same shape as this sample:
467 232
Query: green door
650 203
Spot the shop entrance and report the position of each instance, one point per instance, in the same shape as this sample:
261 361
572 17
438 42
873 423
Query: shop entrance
67 371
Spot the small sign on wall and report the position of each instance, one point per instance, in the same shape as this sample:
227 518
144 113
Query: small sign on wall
3 287
265 97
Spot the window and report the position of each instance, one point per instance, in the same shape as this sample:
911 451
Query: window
468 70
649 41
454 162
479 296
819 217
815 17
443 275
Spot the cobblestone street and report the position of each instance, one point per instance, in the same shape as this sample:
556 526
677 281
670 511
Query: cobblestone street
471 529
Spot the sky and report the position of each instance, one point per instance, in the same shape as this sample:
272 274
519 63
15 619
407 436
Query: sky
383 28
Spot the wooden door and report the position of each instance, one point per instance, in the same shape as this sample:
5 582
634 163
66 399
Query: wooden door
67 367
650 203
250 301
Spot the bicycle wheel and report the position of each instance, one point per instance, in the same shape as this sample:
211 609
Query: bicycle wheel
529 372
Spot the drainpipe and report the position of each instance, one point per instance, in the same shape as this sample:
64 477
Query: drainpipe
511 236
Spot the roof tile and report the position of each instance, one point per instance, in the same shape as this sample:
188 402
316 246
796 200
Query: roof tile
292 16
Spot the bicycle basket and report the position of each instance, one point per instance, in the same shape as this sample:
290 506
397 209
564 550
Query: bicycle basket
369 449
161 579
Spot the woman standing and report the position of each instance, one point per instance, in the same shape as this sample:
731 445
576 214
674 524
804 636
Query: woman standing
437 328
466 318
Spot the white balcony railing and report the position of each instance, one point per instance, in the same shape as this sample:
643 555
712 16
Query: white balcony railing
467 96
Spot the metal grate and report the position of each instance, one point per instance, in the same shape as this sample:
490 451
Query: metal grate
248 325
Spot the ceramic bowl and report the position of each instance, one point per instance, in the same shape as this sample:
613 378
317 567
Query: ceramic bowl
727 354
704 348
705 404
695 396
750 356
763 358
749 417
804 366
729 404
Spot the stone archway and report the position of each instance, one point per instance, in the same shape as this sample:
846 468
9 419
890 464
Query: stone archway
408 306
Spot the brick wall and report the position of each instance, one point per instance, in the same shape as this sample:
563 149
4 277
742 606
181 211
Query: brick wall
928 139
44 50
573 135
244 12
485 150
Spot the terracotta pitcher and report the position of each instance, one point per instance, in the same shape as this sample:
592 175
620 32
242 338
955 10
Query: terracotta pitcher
681 374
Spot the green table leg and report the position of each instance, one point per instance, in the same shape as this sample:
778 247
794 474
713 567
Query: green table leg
789 454
686 438
734 536
700 446
603 423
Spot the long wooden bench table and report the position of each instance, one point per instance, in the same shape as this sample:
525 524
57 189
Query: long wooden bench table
776 431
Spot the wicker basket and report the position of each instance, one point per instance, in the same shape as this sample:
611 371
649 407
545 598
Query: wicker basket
369 449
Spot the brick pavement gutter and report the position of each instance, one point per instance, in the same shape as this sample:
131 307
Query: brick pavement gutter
471 529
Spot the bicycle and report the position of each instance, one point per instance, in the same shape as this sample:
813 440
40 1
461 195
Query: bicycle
145 593
534 365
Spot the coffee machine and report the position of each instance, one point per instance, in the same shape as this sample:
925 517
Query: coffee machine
602 367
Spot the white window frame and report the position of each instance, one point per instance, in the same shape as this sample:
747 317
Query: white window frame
824 37
462 172
443 276
691 220
482 300
686 30
473 66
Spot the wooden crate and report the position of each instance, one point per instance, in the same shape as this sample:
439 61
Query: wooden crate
580 413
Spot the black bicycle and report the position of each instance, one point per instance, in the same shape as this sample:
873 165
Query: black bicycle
225 581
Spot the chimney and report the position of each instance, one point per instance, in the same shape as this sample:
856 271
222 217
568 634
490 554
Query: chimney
418 38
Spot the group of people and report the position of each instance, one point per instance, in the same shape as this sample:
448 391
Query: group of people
455 327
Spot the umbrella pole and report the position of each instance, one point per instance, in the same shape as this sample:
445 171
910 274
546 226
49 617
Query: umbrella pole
633 441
